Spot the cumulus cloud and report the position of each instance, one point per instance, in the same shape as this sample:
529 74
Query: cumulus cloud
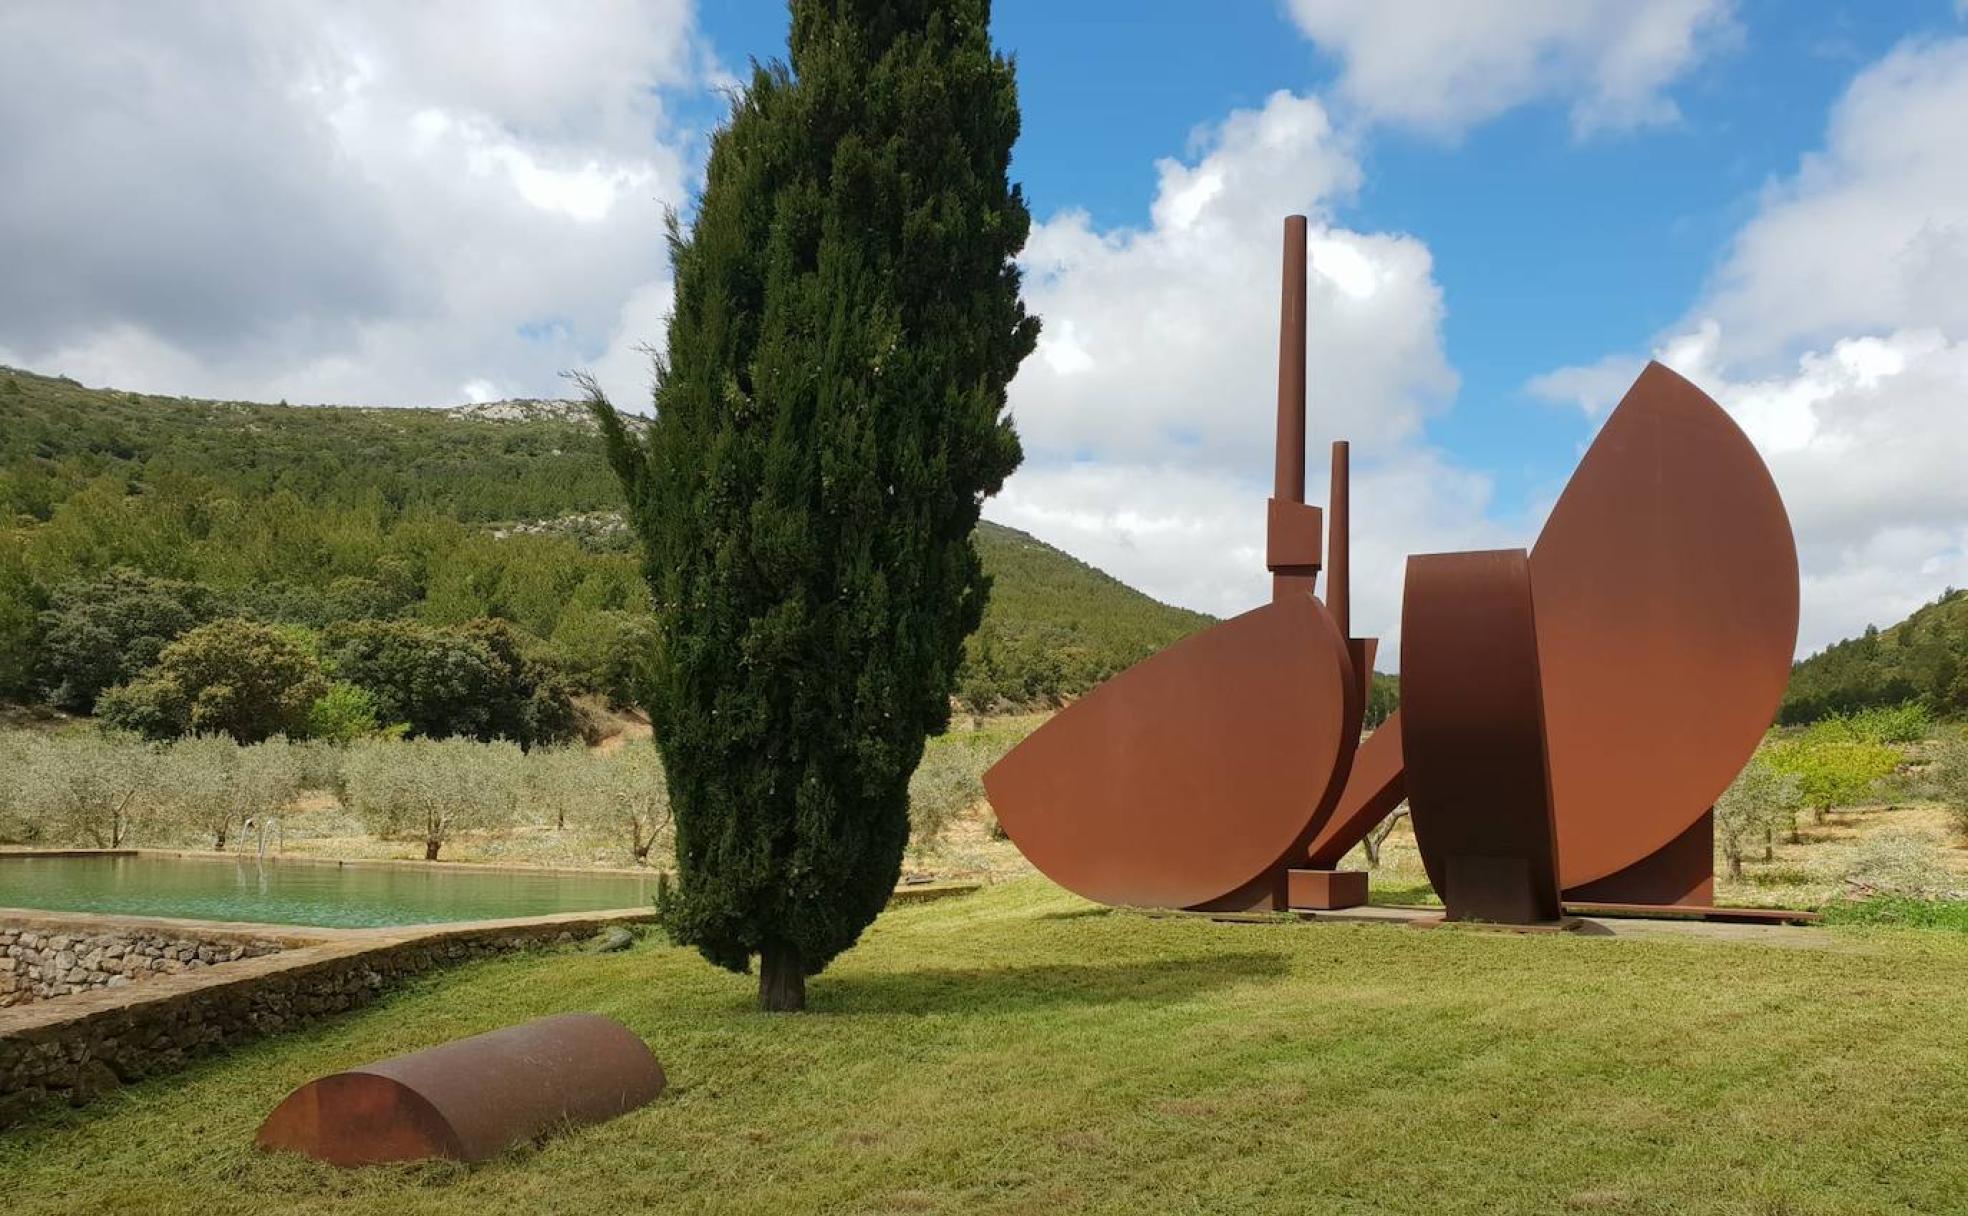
1148 410
337 203
1835 332
1444 68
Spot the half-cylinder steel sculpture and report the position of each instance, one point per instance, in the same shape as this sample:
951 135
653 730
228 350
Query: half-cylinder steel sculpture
471 1099
1570 715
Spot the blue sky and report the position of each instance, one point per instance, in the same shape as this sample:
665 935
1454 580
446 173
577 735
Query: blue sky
1515 203
1551 249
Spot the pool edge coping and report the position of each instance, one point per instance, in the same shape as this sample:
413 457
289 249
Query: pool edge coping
39 1016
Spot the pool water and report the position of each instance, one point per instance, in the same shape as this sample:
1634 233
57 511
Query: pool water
306 893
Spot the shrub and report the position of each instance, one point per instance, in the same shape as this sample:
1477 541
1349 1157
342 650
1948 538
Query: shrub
948 782
103 631
234 676
433 789
1948 775
343 714
1832 771
1907 722
485 681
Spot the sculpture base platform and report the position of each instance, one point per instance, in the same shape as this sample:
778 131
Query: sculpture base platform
1563 924
1325 890
1709 912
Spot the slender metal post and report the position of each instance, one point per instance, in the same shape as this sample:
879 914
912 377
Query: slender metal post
1339 574
1290 485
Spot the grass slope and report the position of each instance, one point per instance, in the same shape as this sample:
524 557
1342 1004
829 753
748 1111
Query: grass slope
1019 1051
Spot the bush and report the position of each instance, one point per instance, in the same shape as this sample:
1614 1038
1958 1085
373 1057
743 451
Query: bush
1907 722
343 714
1833 770
433 789
105 630
1948 775
948 782
233 676
485 681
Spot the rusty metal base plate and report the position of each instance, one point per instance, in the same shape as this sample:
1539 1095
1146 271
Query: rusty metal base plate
1325 890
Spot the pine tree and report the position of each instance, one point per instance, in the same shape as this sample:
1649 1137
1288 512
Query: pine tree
829 418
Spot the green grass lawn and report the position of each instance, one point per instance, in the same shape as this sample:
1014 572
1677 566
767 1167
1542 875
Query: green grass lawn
1021 1051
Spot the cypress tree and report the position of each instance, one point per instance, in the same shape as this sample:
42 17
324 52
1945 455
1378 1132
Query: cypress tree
829 416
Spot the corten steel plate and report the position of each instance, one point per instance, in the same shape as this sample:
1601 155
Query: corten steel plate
1376 785
1479 791
1194 773
1666 587
471 1099
1680 872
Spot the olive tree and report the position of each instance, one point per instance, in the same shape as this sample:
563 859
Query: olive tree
88 789
209 785
628 799
431 790
1760 800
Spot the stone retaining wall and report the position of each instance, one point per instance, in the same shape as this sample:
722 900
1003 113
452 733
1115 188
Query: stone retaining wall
74 1048
36 964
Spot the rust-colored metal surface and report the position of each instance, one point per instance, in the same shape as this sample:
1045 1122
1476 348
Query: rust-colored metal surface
1579 709
1680 873
1376 785
1472 730
1339 569
1197 777
1292 528
471 1099
1666 587
1185 778
1325 890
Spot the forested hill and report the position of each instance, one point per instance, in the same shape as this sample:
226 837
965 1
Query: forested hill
1923 658
307 515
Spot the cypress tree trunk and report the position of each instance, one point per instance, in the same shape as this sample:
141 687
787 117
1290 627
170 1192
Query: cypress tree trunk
430 850
830 416
782 982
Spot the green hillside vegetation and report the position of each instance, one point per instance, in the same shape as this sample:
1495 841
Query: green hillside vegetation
311 516
1922 659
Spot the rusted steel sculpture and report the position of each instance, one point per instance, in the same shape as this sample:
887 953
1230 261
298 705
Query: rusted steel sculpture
1198 777
471 1099
1479 787
1569 718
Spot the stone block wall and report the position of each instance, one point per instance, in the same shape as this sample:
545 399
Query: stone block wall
74 1048
39 963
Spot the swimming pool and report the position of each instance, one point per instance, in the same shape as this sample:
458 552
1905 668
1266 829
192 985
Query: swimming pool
353 896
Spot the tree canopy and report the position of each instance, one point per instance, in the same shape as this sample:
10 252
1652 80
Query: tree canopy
829 418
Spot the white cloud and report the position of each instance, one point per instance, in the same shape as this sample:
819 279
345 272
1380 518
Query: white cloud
1871 233
1836 333
1445 67
1148 411
368 202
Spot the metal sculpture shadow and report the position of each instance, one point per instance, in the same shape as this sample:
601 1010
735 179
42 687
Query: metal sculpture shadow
1569 715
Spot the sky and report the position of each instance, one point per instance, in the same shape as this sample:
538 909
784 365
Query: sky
1514 205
